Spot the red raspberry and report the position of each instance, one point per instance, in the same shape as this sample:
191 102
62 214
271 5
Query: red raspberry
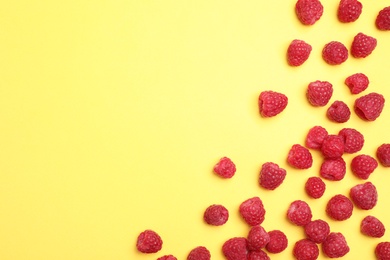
225 168
370 106
357 83
235 249
383 154
278 242
309 11
382 21
298 52
362 45
339 207
216 215
258 255
372 227
199 253
319 93
335 245
272 103
317 230
349 10
332 146
315 137
315 187
299 157
365 196
149 241
271 176
382 251
334 53
257 238
167 257
333 169
363 165
299 213
338 112
305 249
252 211
353 140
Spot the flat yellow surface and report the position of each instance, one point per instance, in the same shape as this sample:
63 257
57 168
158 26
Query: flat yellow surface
113 114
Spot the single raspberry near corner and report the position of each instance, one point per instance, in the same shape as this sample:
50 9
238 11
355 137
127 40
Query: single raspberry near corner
333 169
353 140
335 245
338 112
252 211
225 168
167 257
317 230
349 10
257 238
357 83
363 165
300 157
383 154
364 196
334 53
315 137
199 253
278 242
235 248
332 146
272 103
309 11
298 52
315 187
258 255
382 20
363 45
370 106
216 215
319 93
372 227
339 207
299 213
382 251
271 176
149 241
305 249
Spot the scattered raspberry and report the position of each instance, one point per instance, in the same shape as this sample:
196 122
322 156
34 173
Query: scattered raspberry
362 45
309 11
319 93
372 227
299 157
315 187
349 10
382 251
333 169
199 253
252 211
257 238
357 83
271 176
272 103
353 140
298 52
363 165
167 257
339 207
382 21
225 168
216 215
258 255
370 106
149 241
235 249
317 230
383 154
278 242
332 146
335 53
315 137
365 196
305 249
335 245
299 213
338 112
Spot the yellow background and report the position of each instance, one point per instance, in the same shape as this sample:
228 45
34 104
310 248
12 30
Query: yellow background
113 114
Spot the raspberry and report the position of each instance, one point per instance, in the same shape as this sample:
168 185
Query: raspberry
235 249
339 207
272 103
278 242
299 213
319 93
257 238
298 52
216 215
299 157
149 241
332 146
199 253
315 187
335 245
309 11
258 255
271 176
357 83
370 106
382 20
349 10
315 137
338 112
334 53
382 251
225 168
372 227
252 211
167 257
383 154
305 249
362 45
317 230
365 196
363 165
353 140
333 169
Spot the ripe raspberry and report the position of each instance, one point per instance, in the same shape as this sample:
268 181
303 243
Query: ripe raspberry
357 83
315 187
353 140
383 154
315 137
349 10
278 242
149 241
305 249
298 52
299 213
271 176
338 112
299 157
225 168
382 251
216 215
235 248
317 230
272 103
332 146
382 20
258 255
362 45
199 253
339 207
319 93
365 196
334 53
372 227
257 238
252 211
167 257
363 165
309 11
335 245
333 169
370 106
